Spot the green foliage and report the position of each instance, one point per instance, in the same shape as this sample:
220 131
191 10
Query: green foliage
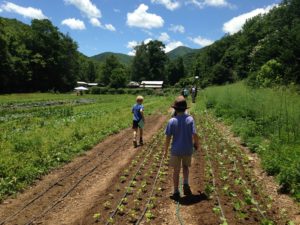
266 49
50 129
268 121
149 62
126 60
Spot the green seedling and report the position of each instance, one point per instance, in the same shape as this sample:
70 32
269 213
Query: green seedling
126 173
137 204
133 184
149 216
132 216
123 179
266 222
97 216
129 190
107 205
124 201
110 221
121 209
217 210
209 189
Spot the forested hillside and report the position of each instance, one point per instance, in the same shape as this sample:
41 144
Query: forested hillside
266 51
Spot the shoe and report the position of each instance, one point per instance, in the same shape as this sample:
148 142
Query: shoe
187 189
135 144
141 142
175 196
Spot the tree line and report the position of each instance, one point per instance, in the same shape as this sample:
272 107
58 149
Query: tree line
266 52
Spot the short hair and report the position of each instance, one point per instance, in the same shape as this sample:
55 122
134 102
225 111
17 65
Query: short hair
139 98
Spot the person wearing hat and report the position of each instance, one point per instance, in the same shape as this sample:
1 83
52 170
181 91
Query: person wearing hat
182 130
138 120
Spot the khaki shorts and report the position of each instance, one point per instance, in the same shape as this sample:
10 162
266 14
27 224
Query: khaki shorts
175 161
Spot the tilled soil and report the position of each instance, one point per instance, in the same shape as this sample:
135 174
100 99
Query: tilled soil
117 184
62 196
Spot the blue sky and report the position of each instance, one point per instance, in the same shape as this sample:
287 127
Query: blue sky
118 25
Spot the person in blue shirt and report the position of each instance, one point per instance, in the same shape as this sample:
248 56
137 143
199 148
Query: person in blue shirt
181 129
138 120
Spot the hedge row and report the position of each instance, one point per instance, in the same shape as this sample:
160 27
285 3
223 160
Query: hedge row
133 91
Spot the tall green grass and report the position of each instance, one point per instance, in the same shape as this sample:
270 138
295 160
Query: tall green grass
268 121
35 138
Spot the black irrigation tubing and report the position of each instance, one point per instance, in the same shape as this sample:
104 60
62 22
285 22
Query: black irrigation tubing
71 189
112 215
151 194
57 182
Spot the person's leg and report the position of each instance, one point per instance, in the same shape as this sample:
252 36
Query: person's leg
185 174
141 136
176 173
186 163
134 127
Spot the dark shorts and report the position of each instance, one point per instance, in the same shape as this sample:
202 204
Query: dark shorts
135 124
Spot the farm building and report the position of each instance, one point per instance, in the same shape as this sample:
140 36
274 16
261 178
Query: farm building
152 84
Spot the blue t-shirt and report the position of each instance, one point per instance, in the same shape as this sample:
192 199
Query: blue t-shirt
136 110
182 128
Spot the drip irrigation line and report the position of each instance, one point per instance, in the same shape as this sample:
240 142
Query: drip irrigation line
178 204
70 190
112 215
56 183
214 182
61 179
151 194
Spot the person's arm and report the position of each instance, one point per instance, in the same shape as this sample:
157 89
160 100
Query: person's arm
142 113
167 144
196 141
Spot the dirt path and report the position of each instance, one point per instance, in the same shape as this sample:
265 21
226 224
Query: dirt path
114 183
64 195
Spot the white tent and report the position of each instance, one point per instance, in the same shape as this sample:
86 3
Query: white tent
81 88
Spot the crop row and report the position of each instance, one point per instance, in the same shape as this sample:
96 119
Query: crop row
240 196
135 193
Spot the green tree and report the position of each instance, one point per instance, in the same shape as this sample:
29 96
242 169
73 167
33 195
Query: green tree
119 78
111 63
149 62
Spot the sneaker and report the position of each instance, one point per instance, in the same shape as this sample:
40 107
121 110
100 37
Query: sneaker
175 196
135 144
187 189
141 142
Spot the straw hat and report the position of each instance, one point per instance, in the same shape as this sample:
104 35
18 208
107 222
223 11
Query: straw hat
180 103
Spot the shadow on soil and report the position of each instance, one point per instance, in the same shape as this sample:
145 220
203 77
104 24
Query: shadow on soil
191 199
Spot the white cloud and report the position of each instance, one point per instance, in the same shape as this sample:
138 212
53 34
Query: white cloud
235 24
95 22
169 4
177 28
172 45
74 24
28 12
201 41
131 53
86 7
109 27
1 10
132 44
164 37
214 3
141 18
117 10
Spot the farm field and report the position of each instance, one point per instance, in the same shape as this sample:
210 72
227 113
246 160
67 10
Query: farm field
42 131
114 183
